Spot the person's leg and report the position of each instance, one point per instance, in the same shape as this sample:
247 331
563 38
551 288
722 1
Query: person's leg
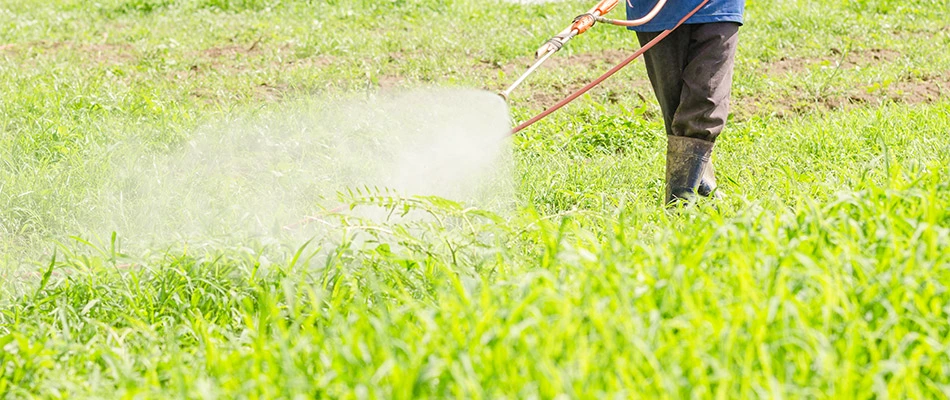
692 77
665 64
707 81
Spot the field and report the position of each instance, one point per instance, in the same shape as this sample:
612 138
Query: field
822 274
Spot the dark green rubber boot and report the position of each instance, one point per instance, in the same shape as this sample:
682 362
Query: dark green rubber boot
707 186
689 170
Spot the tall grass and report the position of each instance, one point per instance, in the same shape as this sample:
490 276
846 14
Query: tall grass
833 299
822 274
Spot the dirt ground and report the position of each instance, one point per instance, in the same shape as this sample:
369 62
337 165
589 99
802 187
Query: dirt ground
910 89
788 101
796 99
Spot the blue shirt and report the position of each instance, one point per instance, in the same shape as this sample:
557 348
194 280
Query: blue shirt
714 11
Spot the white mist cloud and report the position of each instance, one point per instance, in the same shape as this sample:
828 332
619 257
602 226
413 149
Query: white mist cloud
256 174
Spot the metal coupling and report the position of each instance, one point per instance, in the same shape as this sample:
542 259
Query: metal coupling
584 22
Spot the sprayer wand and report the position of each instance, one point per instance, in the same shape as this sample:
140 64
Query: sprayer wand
581 24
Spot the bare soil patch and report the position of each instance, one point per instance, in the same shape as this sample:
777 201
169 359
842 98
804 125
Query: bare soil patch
796 100
230 59
836 59
242 57
602 59
579 69
613 90
98 53
791 101
230 51
237 59
540 96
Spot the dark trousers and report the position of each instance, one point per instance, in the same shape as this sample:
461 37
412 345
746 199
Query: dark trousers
691 74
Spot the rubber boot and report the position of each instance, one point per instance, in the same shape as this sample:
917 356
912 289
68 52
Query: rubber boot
707 186
689 170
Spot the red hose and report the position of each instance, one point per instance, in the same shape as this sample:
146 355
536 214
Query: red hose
607 74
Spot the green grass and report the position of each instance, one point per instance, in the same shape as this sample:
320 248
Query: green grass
821 275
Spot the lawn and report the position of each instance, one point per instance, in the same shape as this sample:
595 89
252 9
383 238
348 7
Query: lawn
822 274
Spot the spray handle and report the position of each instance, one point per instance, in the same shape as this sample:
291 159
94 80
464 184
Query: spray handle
584 22
604 7
580 25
